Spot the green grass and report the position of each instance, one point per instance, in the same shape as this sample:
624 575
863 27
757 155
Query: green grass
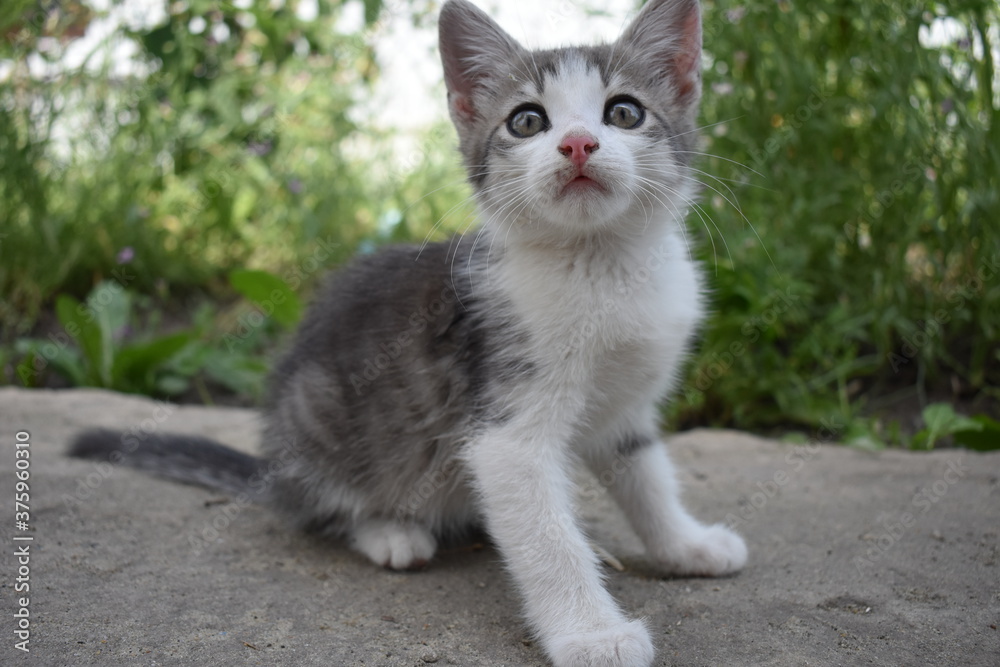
856 249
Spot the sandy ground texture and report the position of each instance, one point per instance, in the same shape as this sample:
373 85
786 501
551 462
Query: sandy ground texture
856 559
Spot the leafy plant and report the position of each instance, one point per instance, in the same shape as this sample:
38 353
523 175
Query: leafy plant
941 421
851 196
93 350
228 138
237 359
269 293
97 347
984 439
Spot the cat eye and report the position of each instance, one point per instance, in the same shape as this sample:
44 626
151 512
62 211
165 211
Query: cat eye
527 121
624 112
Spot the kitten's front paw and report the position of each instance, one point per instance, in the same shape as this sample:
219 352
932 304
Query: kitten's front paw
624 645
394 545
712 551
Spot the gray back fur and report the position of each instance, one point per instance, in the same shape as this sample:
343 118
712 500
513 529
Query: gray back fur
398 363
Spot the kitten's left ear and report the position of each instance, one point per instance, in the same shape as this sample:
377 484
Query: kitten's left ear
667 35
473 48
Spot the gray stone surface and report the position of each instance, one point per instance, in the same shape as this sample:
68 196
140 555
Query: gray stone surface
887 559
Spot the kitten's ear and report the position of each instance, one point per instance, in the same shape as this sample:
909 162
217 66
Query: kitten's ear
667 35
472 48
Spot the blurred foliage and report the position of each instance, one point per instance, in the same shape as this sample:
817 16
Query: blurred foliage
854 203
226 146
91 349
849 219
941 420
114 340
225 150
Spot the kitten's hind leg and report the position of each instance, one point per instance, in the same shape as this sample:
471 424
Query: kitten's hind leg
647 490
394 545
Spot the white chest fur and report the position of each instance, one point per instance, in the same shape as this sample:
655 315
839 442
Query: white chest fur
607 320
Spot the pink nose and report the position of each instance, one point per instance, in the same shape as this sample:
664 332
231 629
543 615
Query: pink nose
578 148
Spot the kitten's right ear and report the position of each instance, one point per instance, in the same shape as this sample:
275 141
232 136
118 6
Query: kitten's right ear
667 36
472 48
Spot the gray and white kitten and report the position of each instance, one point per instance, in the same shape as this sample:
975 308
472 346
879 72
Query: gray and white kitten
431 390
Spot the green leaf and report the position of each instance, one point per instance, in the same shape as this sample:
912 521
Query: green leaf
269 293
372 9
868 442
110 305
942 417
191 359
81 325
13 11
240 373
984 439
940 421
94 325
26 371
921 440
861 435
172 385
40 354
243 203
135 366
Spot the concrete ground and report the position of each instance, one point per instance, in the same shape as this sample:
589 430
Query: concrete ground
856 559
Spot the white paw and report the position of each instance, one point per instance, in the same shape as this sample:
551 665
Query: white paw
624 645
711 551
394 545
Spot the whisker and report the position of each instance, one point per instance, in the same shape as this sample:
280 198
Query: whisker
724 159
706 127
677 211
463 202
684 176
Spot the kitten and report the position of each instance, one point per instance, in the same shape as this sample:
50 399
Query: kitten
429 390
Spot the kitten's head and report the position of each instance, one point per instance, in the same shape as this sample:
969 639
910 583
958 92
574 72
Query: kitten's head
580 139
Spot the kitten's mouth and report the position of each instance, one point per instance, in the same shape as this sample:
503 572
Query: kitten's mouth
581 183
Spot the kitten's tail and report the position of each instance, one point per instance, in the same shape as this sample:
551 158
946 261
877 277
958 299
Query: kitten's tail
183 458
